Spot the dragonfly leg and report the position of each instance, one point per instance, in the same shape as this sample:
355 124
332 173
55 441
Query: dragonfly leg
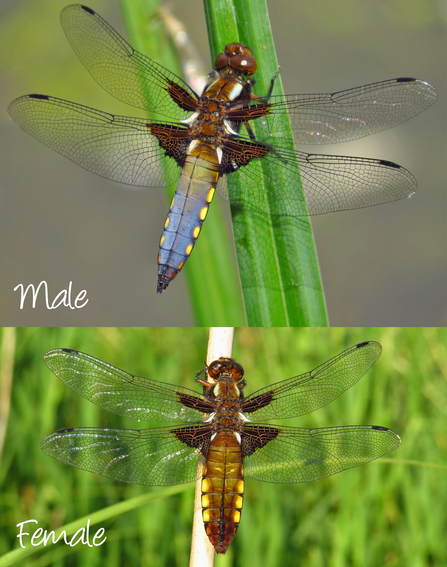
272 84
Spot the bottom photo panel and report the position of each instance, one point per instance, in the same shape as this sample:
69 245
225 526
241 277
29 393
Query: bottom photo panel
227 446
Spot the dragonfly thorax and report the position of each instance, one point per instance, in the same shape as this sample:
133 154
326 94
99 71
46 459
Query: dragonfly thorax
227 86
209 121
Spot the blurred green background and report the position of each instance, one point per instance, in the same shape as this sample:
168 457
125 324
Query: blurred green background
381 266
389 512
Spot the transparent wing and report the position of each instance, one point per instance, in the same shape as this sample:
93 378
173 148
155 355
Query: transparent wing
122 149
330 183
124 394
116 147
307 392
350 114
123 72
302 455
153 457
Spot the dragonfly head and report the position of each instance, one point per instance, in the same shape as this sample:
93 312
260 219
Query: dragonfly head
237 58
226 366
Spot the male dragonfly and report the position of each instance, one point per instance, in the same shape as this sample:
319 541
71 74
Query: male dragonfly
211 135
221 427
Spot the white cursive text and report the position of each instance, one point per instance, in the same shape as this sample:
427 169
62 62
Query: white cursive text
62 298
40 536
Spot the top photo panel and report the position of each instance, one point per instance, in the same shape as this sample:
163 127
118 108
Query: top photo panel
223 163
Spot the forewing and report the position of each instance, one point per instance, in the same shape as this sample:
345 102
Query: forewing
302 455
124 394
330 183
123 72
350 114
307 392
153 457
116 147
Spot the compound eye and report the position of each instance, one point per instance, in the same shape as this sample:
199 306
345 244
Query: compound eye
237 371
245 63
221 61
215 368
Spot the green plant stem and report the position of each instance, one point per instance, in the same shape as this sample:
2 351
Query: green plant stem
277 258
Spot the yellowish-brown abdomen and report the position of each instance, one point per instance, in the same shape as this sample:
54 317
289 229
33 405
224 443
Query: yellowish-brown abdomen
223 490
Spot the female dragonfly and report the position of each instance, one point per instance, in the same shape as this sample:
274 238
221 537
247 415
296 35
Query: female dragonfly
221 427
227 129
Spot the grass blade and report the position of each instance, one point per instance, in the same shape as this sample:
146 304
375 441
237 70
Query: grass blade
277 259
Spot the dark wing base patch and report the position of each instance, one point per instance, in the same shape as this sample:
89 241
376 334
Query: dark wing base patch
255 437
258 402
173 139
195 437
238 153
195 403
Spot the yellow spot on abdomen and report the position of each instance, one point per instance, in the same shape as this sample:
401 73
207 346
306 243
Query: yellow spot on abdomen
235 516
206 501
196 231
188 249
162 239
237 501
167 222
172 202
207 516
203 213
207 485
159 258
210 195
180 266
239 487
